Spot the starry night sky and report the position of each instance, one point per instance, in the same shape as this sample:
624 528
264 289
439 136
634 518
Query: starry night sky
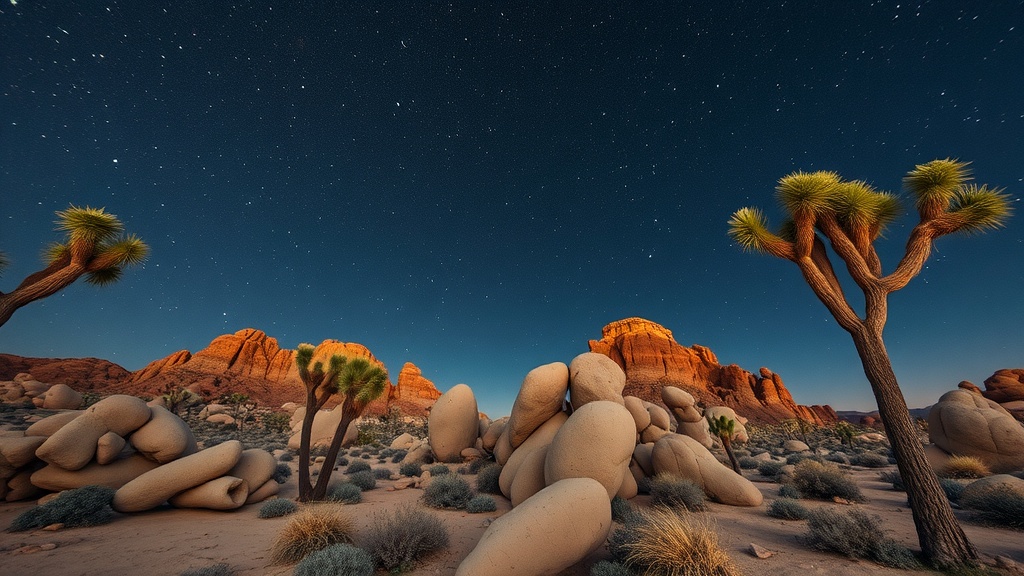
479 188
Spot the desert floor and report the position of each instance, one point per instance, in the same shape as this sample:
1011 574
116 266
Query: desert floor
168 541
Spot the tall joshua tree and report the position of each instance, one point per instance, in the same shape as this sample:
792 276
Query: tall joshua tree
850 216
358 382
94 247
724 428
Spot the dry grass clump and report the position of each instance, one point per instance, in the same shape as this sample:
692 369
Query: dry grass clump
965 467
314 528
825 481
661 542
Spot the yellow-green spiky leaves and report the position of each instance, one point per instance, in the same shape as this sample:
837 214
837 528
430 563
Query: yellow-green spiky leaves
934 184
979 208
858 206
749 228
104 276
89 225
806 193
362 380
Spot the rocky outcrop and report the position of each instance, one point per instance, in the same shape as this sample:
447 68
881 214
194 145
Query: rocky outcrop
412 393
1005 385
82 374
651 358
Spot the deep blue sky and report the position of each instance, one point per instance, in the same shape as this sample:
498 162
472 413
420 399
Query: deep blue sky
480 188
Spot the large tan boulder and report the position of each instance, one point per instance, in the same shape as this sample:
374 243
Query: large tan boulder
269 488
490 437
997 482
116 474
641 417
325 424
549 532
684 457
20 487
453 424
224 493
156 486
165 437
966 424
61 397
403 442
690 420
503 447
73 445
739 431
659 416
540 438
529 477
594 377
109 447
596 442
540 397
47 426
255 466
17 451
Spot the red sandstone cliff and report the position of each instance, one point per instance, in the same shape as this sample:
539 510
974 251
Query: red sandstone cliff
652 358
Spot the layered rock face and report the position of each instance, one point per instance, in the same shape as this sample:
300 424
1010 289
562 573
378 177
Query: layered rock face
1005 385
82 374
651 359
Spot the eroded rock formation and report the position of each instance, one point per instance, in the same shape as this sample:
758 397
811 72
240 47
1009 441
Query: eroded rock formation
651 358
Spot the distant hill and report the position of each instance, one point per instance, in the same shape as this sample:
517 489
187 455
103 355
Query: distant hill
855 417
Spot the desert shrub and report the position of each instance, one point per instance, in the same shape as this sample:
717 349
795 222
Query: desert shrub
856 535
674 492
341 461
286 457
397 539
357 466
770 468
276 508
797 458
367 456
345 492
964 467
487 479
749 463
606 568
387 452
448 491
661 541
318 450
789 491
398 456
336 560
787 509
837 457
622 510
214 570
312 529
478 504
997 504
893 477
952 488
282 472
382 473
439 470
870 460
825 481
364 479
409 469
85 506
277 422
478 464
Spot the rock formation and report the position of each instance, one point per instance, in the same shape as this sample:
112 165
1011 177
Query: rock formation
1005 386
651 358
82 374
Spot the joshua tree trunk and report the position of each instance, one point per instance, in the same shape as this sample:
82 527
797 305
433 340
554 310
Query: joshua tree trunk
732 457
305 486
943 541
349 412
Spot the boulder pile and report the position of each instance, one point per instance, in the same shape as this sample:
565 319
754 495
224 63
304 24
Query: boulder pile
145 452
24 389
965 423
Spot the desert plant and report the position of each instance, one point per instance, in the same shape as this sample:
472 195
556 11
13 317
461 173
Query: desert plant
749 463
770 468
364 479
787 509
478 464
314 528
447 491
85 506
399 456
952 489
724 428
789 491
893 477
997 504
357 466
660 541
487 479
93 247
606 568
825 481
968 467
286 457
345 492
851 216
439 470
856 535
336 560
410 469
382 473
282 472
277 422
845 432
397 539
358 381
481 503
221 569
675 492
869 460
622 510
276 508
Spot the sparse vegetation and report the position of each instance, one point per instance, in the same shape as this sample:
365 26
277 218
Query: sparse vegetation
893 477
397 539
439 470
357 466
622 510
364 479
410 469
825 481
770 468
487 479
221 569
997 504
968 467
869 460
382 473
276 508
787 509
447 491
674 492
660 541
606 568
856 535
336 560
481 503
86 506
312 529
345 492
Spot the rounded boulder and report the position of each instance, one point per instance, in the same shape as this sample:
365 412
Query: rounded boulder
684 457
594 377
596 442
967 424
453 424
540 397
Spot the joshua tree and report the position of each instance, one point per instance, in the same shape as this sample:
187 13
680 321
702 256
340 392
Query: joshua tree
724 427
851 216
93 247
358 381
845 432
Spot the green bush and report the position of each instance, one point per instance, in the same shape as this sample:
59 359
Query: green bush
837 457
856 535
787 509
398 456
357 466
770 468
487 479
282 472
675 492
382 473
276 508
448 491
410 469
996 504
749 462
397 539
336 560
346 492
789 491
214 570
286 457
478 504
478 464
86 506
439 470
606 568
364 479
825 482
869 460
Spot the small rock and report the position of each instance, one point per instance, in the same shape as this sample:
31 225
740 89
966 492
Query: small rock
760 551
51 545
839 500
53 528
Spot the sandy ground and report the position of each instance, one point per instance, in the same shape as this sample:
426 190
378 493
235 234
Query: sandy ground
168 541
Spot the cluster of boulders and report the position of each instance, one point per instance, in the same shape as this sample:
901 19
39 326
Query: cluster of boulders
145 452
571 444
965 423
24 389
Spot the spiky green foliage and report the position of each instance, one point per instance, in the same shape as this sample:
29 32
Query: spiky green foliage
88 224
361 380
807 192
980 209
86 506
936 181
749 228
